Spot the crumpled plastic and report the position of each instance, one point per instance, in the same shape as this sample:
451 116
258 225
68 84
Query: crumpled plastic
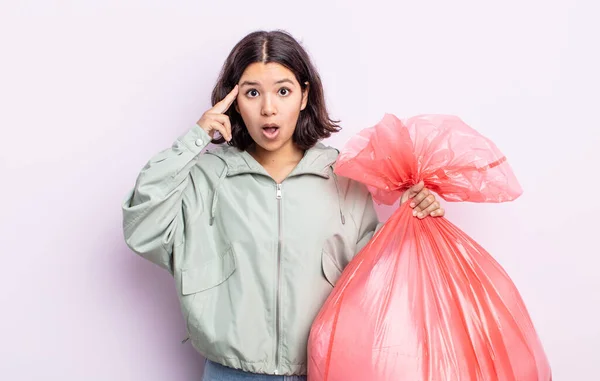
423 301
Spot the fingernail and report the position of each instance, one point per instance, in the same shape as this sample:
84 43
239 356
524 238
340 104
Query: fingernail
420 215
414 212
412 204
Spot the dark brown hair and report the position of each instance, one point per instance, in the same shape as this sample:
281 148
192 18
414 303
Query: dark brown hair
279 47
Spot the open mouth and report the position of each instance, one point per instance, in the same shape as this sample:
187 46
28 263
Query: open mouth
270 130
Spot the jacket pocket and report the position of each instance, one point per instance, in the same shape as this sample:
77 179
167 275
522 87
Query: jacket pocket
331 270
208 275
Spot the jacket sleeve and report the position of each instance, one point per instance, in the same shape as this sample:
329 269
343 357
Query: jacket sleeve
152 211
369 223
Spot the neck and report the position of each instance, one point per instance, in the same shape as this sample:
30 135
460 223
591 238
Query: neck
284 156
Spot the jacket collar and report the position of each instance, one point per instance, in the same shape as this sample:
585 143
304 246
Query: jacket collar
316 161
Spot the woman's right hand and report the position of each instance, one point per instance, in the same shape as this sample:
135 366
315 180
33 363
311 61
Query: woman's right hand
215 119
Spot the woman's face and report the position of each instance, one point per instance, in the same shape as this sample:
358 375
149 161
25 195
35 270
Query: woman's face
270 100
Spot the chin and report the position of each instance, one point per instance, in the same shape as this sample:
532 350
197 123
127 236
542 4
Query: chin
270 146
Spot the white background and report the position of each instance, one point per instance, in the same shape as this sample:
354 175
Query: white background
89 90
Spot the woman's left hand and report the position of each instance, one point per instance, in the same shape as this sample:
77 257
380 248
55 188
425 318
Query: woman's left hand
422 201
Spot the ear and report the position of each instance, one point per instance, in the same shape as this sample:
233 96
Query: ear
236 106
305 96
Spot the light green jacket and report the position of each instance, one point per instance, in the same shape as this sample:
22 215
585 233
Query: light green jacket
253 260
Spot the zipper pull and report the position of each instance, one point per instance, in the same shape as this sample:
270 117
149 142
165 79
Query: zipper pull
278 191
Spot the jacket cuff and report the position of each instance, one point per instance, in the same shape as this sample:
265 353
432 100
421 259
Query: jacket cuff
195 140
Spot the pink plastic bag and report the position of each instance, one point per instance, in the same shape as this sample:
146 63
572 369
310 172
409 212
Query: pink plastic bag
423 301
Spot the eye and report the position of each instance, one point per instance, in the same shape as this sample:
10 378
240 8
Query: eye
284 91
252 93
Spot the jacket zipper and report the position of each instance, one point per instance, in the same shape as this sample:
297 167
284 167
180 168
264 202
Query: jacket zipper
277 308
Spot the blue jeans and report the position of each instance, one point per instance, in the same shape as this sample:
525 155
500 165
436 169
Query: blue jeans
218 372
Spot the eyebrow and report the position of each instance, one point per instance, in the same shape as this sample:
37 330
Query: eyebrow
252 83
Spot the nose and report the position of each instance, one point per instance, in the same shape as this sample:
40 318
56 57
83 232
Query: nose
268 106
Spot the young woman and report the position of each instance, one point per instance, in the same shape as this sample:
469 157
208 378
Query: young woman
257 231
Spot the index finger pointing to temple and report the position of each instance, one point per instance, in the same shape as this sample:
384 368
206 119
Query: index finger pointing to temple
226 102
